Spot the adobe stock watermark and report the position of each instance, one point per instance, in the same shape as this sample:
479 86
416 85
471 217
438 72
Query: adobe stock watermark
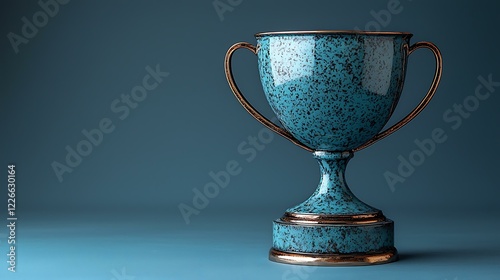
223 6
39 19
298 272
122 275
454 118
121 108
383 17
249 150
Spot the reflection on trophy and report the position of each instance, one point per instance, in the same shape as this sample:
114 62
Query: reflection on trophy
333 92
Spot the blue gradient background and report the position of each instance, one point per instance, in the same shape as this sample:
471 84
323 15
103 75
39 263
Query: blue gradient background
119 208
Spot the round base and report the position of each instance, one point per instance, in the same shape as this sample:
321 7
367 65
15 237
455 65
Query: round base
369 258
333 243
332 238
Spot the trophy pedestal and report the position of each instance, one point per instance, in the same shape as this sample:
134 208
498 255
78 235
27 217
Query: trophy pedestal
333 227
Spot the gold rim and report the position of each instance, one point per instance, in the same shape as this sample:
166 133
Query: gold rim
346 32
387 256
333 219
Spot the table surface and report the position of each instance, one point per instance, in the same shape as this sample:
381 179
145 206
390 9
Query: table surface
219 246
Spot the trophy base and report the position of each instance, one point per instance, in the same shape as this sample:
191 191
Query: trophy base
333 244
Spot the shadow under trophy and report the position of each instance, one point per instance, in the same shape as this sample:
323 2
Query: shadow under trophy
333 92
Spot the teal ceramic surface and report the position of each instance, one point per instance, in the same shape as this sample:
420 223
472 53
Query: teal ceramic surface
333 92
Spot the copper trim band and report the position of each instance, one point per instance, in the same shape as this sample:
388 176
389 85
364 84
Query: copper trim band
347 32
369 258
333 219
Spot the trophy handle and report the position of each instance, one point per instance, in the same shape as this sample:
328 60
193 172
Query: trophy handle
425 100
250 109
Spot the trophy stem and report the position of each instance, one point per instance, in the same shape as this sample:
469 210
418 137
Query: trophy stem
333 227
333 196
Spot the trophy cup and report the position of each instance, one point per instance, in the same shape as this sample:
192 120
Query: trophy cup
333 92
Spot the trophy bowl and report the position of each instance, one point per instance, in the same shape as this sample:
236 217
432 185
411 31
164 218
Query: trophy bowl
333 92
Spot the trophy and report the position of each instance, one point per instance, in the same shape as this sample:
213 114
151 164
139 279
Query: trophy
333 92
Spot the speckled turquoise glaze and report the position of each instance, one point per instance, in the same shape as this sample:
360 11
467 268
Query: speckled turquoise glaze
333 239
332 92
333 196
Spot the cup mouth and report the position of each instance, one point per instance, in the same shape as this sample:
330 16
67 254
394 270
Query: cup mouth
333 32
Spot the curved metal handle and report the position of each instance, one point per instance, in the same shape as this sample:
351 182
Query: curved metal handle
425 100
250 109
